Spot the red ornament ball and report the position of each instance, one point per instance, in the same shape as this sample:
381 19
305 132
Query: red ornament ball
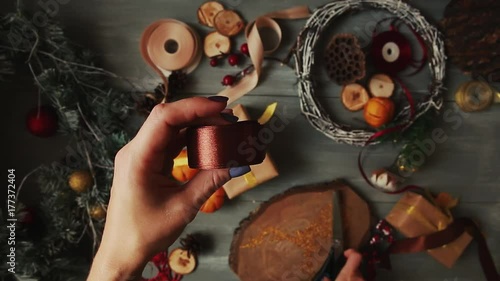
214 62
27 216
244 49
42 121
228 80
233 60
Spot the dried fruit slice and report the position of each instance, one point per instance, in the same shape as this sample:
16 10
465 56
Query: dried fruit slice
208 11
181 262
216 44
228 23
354 97
381 86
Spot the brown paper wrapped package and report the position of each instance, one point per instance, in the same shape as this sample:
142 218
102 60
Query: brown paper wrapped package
413 216
259 173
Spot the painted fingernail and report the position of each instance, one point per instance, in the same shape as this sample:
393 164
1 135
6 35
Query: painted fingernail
218 98
229 117
228 111
239 171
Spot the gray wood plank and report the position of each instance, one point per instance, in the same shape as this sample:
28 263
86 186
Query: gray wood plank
213 264
466 165
117 40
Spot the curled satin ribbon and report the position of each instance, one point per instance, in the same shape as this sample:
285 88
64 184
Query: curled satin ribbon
169 45
443 237
257 50
225 146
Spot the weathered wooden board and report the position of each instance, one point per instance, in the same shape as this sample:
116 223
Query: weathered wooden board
466 164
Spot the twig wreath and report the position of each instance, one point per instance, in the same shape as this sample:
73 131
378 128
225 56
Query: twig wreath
304 54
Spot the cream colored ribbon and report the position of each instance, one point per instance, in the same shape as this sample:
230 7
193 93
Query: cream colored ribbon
256 48
169 45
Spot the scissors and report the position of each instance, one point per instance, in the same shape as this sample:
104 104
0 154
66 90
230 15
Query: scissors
336 260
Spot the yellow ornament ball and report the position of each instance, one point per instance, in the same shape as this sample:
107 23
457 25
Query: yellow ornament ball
80 181
97 212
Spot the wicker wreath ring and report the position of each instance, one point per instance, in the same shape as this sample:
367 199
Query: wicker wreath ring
305 55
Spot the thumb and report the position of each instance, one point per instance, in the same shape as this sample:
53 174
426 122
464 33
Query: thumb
203 185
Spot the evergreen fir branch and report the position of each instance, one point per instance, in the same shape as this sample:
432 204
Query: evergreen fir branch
94 116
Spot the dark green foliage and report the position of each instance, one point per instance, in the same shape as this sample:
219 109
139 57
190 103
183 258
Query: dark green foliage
61 242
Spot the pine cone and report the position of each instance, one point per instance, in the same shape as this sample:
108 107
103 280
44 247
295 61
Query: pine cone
176 81
150 100
191 244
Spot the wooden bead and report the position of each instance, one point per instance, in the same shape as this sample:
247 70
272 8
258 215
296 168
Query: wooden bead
354 97
208 11
228 23
181 261
381 86
216 44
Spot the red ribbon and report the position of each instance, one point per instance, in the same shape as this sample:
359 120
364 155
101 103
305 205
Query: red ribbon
165 273
404 60
387 131
226 146
402 54
443 237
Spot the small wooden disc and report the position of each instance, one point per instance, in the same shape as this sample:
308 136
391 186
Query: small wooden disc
181 262
354 97
228 23
381 86
208 11
216 44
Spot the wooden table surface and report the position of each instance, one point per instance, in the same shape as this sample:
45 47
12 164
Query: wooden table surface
466 165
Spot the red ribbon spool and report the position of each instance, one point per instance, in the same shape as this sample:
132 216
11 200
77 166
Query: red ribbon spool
225 146
391 52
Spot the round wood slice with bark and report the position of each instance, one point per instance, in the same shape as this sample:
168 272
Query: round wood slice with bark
472 37
289 237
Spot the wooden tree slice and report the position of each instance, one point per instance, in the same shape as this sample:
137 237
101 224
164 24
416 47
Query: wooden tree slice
289 236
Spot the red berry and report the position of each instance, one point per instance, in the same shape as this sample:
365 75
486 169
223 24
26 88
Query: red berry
375 239
42 121
214 62
228 80
233 60
386 230
244 49
380 225
390 239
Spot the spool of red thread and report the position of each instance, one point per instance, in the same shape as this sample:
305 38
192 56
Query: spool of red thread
224 146
391 52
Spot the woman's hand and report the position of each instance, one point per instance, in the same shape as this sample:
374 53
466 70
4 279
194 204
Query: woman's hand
350 272
147 212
